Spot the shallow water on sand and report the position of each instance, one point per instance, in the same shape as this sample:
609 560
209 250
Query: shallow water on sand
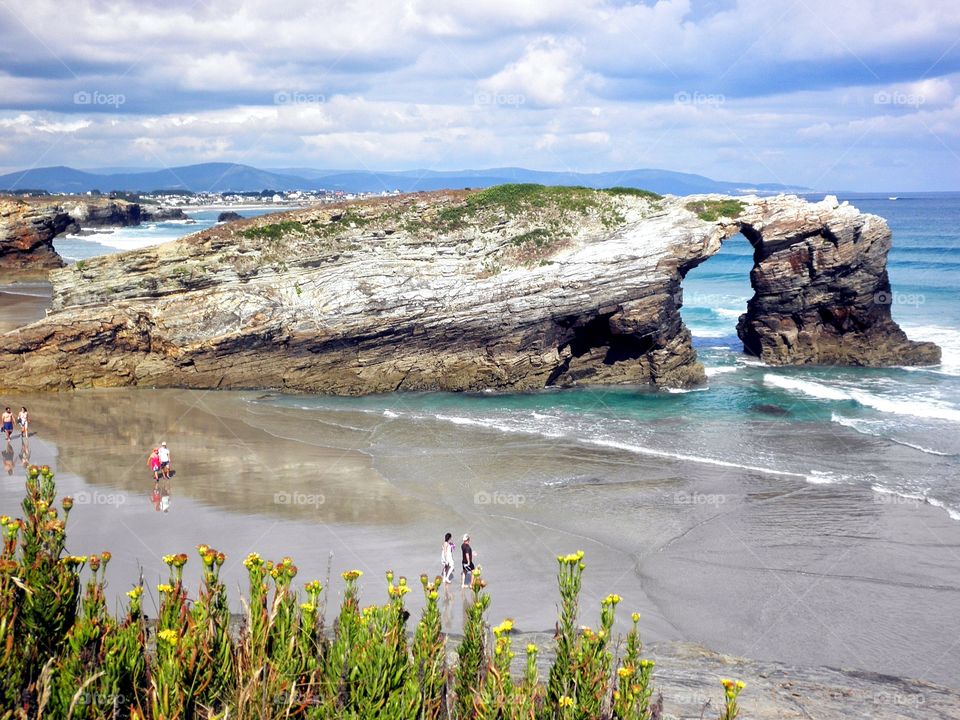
747 562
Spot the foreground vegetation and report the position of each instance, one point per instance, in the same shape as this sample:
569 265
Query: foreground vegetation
62 655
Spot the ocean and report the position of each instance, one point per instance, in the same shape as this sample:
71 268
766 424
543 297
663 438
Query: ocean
103 241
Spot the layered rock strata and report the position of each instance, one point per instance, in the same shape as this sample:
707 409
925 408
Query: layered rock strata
821 290
512 288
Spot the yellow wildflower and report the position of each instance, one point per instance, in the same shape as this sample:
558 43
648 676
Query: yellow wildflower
170 637
565 701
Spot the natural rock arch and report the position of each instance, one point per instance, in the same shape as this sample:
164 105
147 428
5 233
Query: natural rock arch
441 291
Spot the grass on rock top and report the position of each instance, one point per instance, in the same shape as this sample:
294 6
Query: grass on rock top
712 210
499 202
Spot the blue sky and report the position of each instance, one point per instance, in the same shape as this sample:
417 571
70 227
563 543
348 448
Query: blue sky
832 95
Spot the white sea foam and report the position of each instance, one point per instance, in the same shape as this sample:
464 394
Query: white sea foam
952 512
820 477
947 338
897 406
640 450
727 312
712 371
806 387
616 444
390 414
918 497
708 332
878 428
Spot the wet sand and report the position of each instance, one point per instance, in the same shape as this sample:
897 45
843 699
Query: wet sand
805 574
22 303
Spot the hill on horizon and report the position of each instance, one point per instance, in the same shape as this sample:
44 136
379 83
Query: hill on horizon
227 177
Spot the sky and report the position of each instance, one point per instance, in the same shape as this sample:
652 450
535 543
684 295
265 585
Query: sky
828 94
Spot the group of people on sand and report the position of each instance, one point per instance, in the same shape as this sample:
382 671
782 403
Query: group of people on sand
447 550
7 420
22 419
159 464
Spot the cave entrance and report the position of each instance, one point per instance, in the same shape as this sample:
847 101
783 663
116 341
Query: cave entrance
715 294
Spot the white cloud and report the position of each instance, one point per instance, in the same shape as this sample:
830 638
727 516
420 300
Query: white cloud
548 73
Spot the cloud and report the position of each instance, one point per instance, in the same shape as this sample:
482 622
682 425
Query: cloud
785 89
548 73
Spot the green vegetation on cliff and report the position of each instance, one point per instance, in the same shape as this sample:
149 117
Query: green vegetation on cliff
712 210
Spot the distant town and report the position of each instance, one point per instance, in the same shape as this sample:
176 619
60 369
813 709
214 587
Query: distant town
186 198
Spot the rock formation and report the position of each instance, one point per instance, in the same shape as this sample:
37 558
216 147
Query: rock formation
514 288
229 216
821 291
29 225
26 235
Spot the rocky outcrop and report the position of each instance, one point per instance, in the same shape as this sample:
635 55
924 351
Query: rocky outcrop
117 213
29 225
515 288
229 216
822 295
26 235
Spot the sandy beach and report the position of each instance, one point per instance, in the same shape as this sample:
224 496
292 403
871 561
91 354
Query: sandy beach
798 573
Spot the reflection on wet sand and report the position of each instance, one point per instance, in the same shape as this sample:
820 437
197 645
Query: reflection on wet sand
220 456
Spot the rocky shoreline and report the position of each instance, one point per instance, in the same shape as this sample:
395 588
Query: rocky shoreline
29 225
512 288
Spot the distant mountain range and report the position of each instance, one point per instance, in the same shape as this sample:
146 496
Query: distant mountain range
227 177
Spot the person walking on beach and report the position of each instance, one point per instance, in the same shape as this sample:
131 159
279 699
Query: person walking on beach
446 562
23 419
6 422
467 558
164 454
154 463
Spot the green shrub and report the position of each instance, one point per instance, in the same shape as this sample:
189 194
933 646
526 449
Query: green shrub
712 210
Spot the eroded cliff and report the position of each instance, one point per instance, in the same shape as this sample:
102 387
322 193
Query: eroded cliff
515 288
29 225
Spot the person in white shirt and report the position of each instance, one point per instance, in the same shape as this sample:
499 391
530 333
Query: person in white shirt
446 562
164 454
